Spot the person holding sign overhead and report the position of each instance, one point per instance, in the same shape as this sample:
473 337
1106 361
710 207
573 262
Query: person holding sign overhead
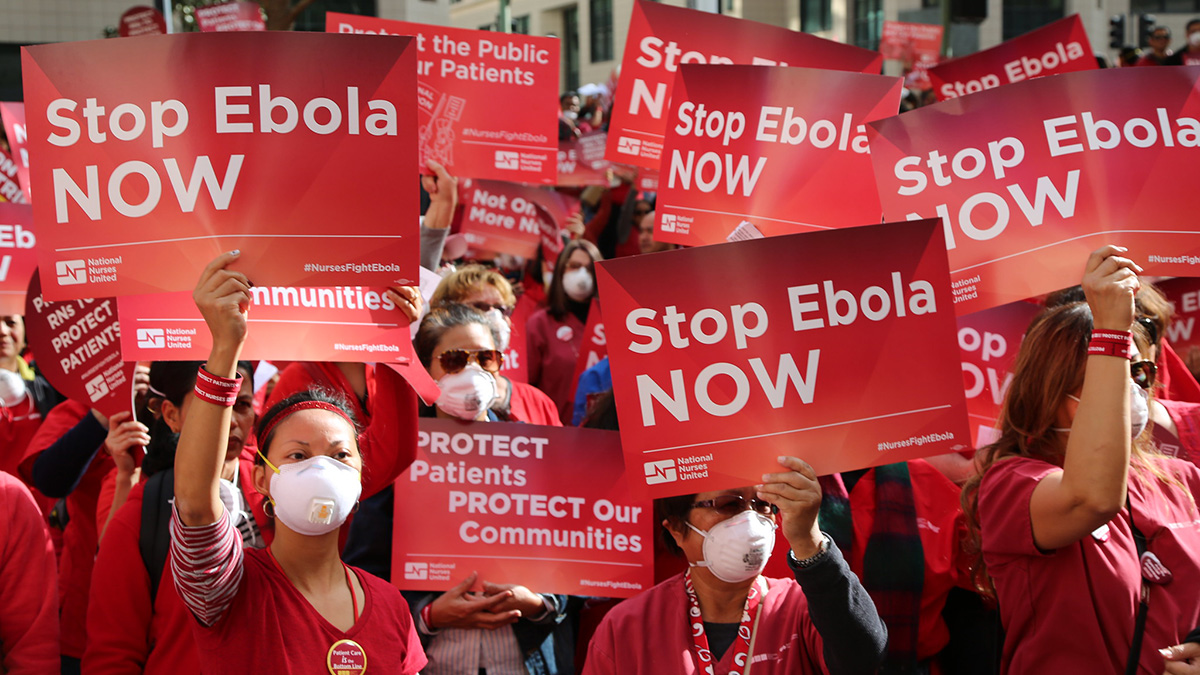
1089 540
295 606
722 616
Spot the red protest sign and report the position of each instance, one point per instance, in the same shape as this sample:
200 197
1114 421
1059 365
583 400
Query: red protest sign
501 217
1059 47
1184 333
581 160
18 140
594 347
647 180
918 45
230 17
77 345
746 143
548 508
286 324
17 257
138 21
838 355
662 37
10 189
988 342
1030 178
487 100
514 366
299 160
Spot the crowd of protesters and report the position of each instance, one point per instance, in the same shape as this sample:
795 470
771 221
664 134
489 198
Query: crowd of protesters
183 539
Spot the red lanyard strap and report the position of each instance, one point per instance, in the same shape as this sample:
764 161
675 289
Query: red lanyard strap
741 646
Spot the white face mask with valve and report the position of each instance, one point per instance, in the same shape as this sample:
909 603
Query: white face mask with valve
1139 411
578 284
468 392
737 549
315 496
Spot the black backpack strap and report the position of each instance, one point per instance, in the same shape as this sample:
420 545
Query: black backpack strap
1139 624
154 539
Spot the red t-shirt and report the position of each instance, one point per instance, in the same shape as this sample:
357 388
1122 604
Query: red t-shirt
80 538
649 634
271 628
531 406
553 353
1072 610
28 588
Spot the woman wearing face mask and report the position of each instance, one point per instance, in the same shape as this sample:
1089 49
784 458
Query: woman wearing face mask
292 607
488 291
721 615
1073 517
507 628
555 334
136 622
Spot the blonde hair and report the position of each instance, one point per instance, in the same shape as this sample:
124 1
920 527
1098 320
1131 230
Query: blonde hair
457 286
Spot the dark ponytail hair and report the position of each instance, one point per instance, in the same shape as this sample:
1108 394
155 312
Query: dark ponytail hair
170 381
311 394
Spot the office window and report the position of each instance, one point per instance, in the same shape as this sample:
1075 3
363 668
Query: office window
1139 6
868 23
601 15
570 47
1022 16
521 25
815 15
313 18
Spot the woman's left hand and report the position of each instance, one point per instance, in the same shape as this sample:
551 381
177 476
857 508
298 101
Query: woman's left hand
408 300
797 495
529 603
1182 659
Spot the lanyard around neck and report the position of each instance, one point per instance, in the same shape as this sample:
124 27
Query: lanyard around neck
741 646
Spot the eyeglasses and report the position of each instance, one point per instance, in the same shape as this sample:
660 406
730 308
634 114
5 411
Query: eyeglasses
1143 373
454 360
486 307
1151 328
731 505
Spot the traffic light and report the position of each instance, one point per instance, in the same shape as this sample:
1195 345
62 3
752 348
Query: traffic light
1146 25
1116 32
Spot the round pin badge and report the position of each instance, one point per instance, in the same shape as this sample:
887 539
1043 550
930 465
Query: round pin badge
346 657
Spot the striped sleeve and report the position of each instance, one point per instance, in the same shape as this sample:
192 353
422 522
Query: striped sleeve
206 562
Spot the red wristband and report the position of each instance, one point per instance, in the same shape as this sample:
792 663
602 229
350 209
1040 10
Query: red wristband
427 615
1107 347
221 391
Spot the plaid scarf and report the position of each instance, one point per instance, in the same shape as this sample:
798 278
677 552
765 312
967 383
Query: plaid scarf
893 562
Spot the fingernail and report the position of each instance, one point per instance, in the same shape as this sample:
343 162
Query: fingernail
236 252
781 459
765 477
1166 653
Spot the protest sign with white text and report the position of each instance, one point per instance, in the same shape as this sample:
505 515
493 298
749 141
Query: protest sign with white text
662 38
486 99
988 342
13 115
548 508
759 144
1059 47
155 154
1030 178
17 257
835 346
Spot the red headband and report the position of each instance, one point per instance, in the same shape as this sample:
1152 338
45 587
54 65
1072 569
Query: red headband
297 407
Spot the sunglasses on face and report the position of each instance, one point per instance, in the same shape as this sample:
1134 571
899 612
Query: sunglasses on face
1143 373
1151 328
486 307
454 360
731 505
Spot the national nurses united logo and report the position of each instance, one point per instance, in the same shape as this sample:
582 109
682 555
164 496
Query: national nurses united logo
508 160
661 471
96 388
71 272
151 338
418 571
